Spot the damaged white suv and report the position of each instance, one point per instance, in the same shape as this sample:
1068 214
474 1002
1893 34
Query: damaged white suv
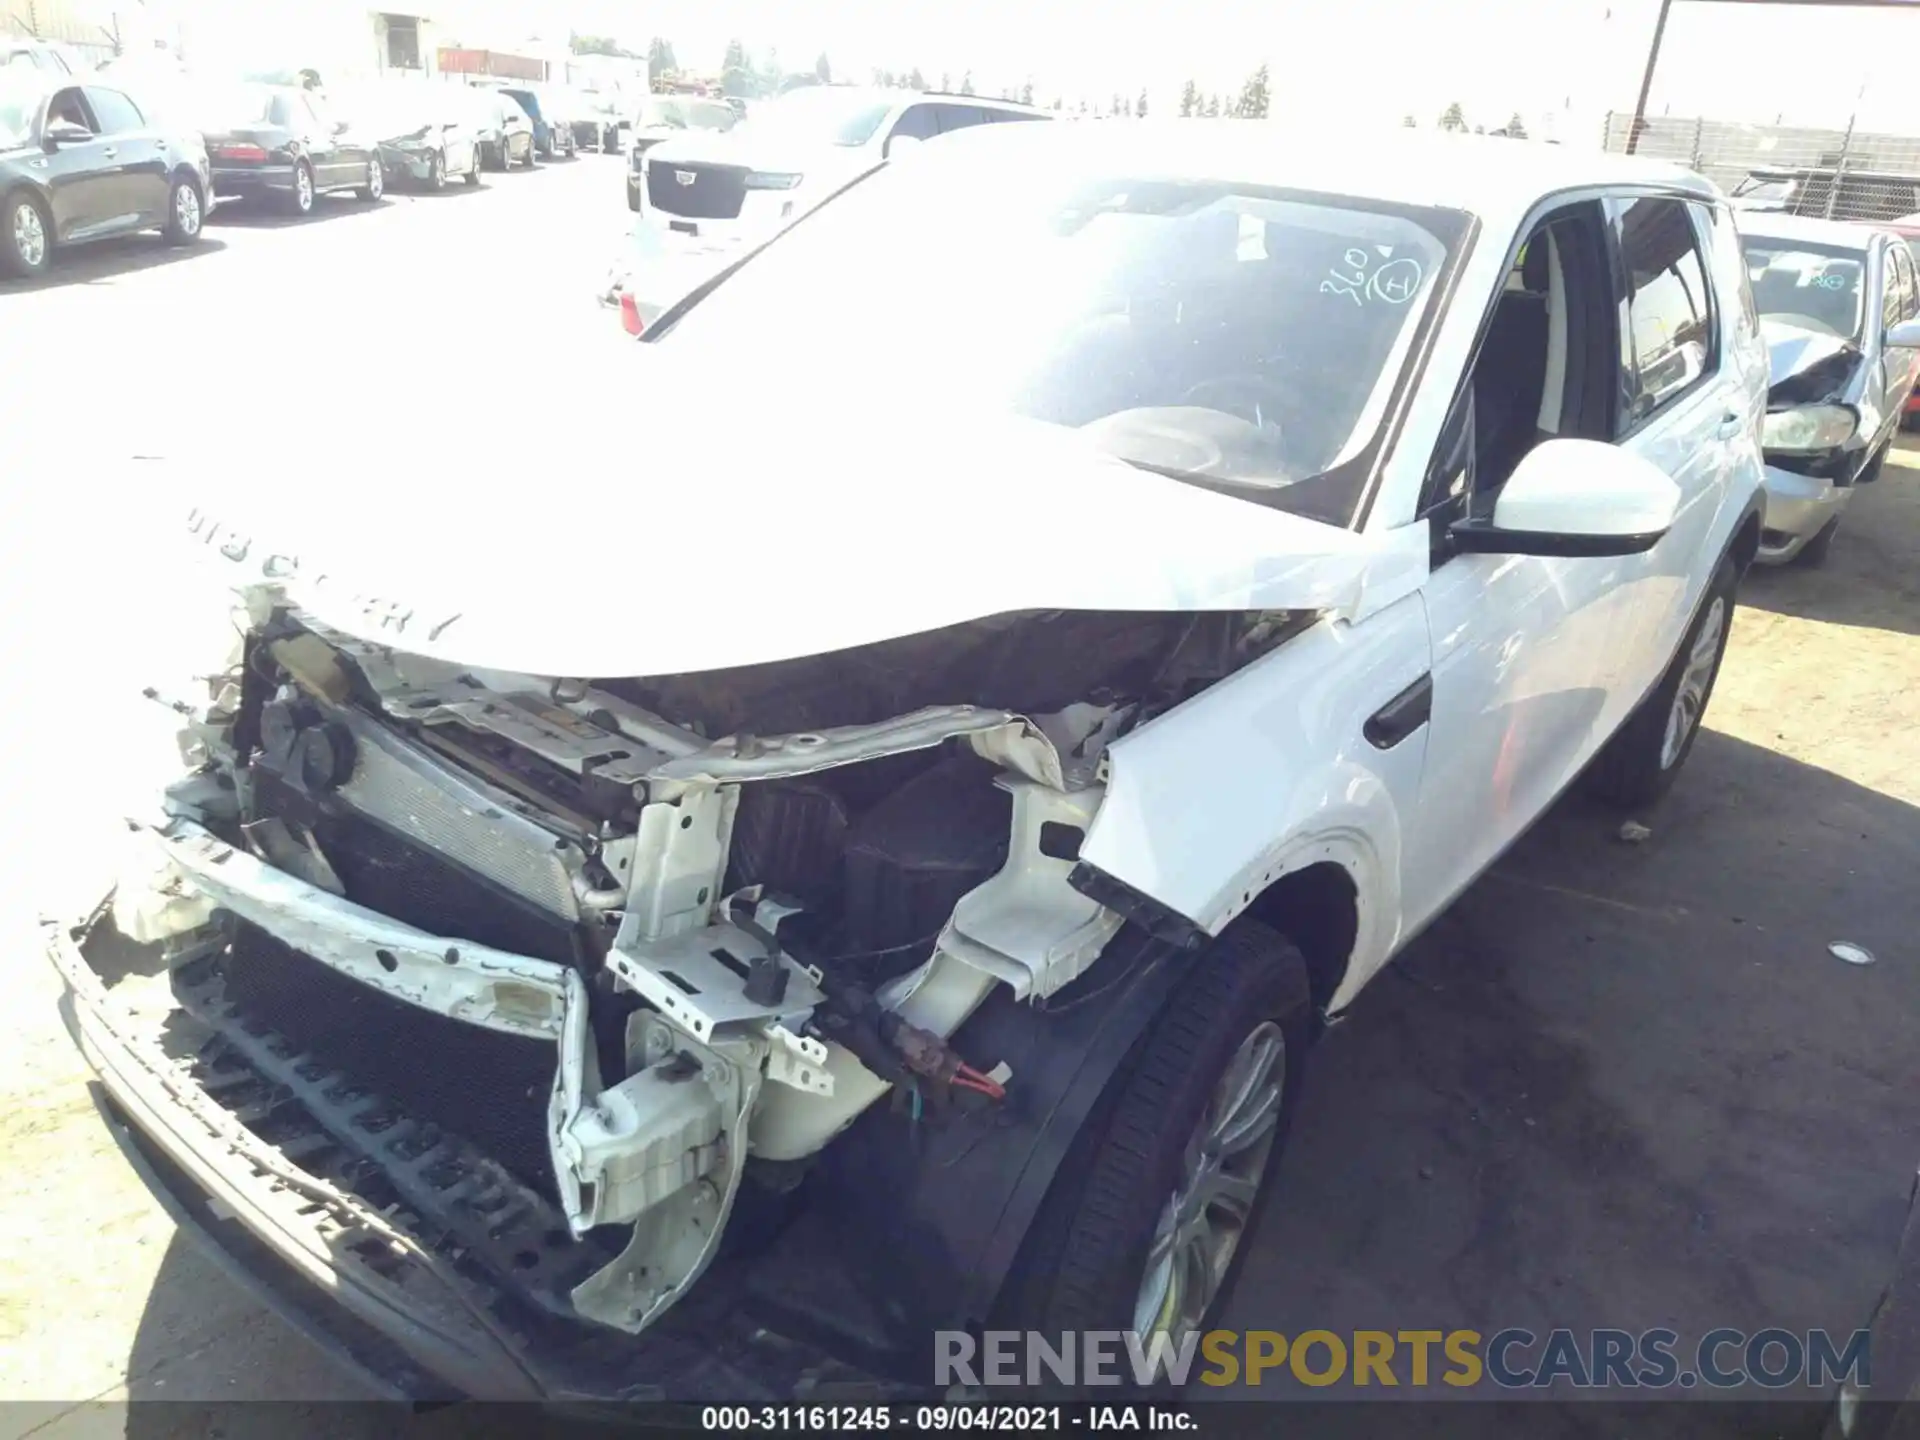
883 875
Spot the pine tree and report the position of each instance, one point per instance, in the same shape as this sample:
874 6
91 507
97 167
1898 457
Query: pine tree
1453 117
966 83
1213 107
1189 100
915 80
823 69
1026 93
1140 106
1254 96
1516 127
1408 122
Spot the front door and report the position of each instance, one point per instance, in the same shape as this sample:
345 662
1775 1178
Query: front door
83 180
1537 659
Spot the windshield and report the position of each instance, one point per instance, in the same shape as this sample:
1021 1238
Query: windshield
676 114
822 115
1239 337
1814 287
234 107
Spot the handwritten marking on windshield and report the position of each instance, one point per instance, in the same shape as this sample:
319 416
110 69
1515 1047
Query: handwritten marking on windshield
1397 281
1352 286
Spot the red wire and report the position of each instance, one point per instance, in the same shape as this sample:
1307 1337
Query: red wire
971 1079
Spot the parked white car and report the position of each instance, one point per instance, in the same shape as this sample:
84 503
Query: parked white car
1102 592
710 189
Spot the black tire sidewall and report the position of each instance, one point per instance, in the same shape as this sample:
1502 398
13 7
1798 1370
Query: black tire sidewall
313 193
1628 771
1080 1270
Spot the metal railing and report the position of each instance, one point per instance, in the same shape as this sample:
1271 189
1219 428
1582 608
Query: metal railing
1845 174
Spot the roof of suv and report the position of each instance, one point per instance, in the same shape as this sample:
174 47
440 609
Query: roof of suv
881 95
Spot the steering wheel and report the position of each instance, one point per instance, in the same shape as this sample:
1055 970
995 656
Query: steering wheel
1254 398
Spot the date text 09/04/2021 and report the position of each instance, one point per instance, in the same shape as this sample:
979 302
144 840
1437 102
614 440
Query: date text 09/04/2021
973 1419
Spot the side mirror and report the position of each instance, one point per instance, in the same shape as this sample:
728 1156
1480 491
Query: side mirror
1904 336
900 146
65 132
339 127
1575 498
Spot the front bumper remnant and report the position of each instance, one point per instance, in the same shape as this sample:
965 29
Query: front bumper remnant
318 1230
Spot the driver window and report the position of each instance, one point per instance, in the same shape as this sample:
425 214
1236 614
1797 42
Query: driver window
918 122
69 106
1544 367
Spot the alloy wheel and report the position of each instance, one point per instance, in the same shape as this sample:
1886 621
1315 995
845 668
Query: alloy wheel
1202 1224
302 189
29 236
1690 701
376 179
186 210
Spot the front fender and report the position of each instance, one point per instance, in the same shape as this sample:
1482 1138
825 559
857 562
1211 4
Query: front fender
1269 771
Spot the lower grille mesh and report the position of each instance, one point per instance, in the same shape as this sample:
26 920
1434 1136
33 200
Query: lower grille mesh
490 1089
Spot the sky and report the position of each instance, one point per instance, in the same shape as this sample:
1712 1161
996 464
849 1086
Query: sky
1560 63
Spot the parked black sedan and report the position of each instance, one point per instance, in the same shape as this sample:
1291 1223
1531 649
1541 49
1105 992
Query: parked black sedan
80 162
281 144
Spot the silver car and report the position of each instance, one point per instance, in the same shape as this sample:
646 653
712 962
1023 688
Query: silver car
1838 304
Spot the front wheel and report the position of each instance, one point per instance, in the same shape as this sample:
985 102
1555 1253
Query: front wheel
1148 1222
436 172
376 184
1644 757
27 235
185 213
473 172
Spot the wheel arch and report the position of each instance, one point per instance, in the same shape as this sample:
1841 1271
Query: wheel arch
1317 907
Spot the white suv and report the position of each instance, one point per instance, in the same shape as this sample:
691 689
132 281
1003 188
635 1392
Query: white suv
1094 596
708 190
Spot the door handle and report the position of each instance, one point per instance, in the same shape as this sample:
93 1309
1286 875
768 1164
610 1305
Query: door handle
1732 424
110 152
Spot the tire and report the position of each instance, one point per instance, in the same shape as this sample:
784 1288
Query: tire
1814 553
300 200
186 212
633 199
1084 1265
473 175
26 237
1640 763
436 171
376 185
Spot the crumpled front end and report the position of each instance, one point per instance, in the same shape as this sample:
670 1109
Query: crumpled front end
523 983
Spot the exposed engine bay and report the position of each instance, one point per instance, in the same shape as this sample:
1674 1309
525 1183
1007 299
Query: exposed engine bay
639 942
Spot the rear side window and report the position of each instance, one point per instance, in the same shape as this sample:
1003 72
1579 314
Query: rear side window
1005 115
1668 344
117 114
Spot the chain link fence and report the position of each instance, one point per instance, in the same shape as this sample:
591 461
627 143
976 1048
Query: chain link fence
1847 174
